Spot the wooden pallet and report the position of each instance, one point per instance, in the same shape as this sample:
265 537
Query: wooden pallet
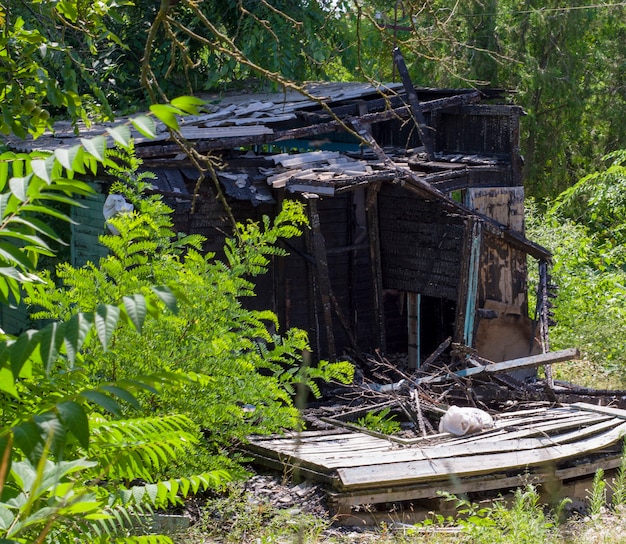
537 446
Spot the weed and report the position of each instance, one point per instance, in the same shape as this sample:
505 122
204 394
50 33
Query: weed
597 495
380 422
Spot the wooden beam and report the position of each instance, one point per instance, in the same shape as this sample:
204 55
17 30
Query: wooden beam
319 250
371 208
425 132
507 366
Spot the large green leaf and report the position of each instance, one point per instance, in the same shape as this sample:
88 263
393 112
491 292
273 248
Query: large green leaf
121 134
96 147
7 204
28 437
75 419
7 381
136 309
22 349
188 104
43 168
13 256
145 125
19 186
105 320
39 226
167 297
66 156
167 114
102 400
32 240
47 210
122 394
76 330
50 339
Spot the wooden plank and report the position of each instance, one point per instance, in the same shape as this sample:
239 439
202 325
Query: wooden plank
373 233
541 428
513 364
217 133
471 485
363 458
432 469
615 412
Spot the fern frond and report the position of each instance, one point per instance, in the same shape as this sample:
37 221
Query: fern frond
140 448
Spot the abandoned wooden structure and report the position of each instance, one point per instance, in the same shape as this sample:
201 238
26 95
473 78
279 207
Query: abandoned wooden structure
416 241
410 242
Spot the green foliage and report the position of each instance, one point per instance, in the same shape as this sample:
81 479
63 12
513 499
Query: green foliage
245 374
618 486
585 229
588 309
65 465
524 521
597 494
55 57
380 422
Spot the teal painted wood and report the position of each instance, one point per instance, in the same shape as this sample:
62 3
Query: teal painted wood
472 285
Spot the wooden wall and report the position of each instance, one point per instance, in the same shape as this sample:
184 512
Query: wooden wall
420 244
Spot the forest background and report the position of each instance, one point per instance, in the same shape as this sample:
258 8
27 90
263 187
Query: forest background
68 408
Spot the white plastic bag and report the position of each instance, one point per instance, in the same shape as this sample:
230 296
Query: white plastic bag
460 421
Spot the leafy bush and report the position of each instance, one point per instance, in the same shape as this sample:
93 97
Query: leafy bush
590 309
244 375
58 481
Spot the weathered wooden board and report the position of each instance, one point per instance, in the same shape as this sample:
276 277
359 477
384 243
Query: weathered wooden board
435 469
475 484
514 364
369 457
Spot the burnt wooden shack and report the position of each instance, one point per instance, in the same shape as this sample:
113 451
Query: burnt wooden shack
416 228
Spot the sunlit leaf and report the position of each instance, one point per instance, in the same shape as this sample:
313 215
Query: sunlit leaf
167 297
74 418
76 330
19 186
121 134
188 104
66 156
7 382
22 349
50 339
39 226
102 400
43 168
27 436
96 147
167 114
105 320
122 394
145 125
13 255
136 309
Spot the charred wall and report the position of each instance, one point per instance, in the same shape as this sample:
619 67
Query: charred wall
420 244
